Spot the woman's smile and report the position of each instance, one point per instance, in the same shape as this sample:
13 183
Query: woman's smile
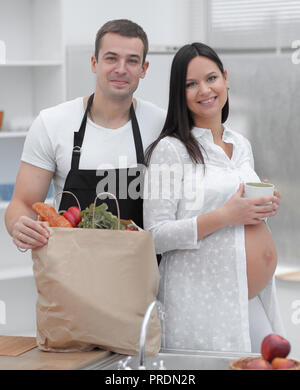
208 102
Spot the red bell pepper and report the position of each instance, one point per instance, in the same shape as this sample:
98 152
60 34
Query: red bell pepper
73 215
131 227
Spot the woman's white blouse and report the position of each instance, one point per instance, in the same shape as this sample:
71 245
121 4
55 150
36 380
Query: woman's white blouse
203 285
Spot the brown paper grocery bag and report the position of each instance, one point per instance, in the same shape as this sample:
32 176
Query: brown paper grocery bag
94 287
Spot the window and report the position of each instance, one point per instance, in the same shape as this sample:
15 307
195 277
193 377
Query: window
254 24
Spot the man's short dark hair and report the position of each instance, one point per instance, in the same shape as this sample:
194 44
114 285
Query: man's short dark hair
123 27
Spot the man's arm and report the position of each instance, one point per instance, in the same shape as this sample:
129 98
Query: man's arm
32 186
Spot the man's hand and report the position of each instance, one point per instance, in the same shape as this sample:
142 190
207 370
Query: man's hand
30 234
31 186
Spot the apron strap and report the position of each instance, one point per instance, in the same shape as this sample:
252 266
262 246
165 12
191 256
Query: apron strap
79 136
137 137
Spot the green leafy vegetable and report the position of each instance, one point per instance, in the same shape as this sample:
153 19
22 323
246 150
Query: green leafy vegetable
103 219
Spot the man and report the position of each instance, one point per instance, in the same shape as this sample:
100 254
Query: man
82 142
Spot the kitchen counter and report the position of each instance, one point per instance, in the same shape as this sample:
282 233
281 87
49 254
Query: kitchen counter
36 359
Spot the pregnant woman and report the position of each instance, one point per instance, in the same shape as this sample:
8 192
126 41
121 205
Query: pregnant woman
218 256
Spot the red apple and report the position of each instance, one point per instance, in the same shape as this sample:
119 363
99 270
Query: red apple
258 364
282 363
273 346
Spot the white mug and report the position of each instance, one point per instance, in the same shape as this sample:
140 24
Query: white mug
257 189
254 190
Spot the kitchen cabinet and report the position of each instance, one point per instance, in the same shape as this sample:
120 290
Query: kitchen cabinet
33 76
31 79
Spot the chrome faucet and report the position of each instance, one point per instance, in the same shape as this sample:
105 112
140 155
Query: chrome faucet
143 333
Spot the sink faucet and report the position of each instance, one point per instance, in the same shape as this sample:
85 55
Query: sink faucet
143 333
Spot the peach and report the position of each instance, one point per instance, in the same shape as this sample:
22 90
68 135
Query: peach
258 364
279 363
273 346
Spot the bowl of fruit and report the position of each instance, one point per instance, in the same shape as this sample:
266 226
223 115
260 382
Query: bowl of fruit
274 352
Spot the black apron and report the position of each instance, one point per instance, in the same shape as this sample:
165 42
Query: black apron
83 182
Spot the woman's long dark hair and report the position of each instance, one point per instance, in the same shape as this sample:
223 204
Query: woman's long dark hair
179 121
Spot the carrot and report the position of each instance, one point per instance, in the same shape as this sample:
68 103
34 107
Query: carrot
48 213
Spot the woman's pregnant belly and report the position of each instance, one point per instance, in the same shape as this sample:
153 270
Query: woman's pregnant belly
261 257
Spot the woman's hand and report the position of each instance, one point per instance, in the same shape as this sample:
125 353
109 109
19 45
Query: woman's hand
248 211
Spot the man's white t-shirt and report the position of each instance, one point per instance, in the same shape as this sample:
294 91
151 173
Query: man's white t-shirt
49 142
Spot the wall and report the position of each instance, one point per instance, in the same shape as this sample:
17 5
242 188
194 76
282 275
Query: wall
165 22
